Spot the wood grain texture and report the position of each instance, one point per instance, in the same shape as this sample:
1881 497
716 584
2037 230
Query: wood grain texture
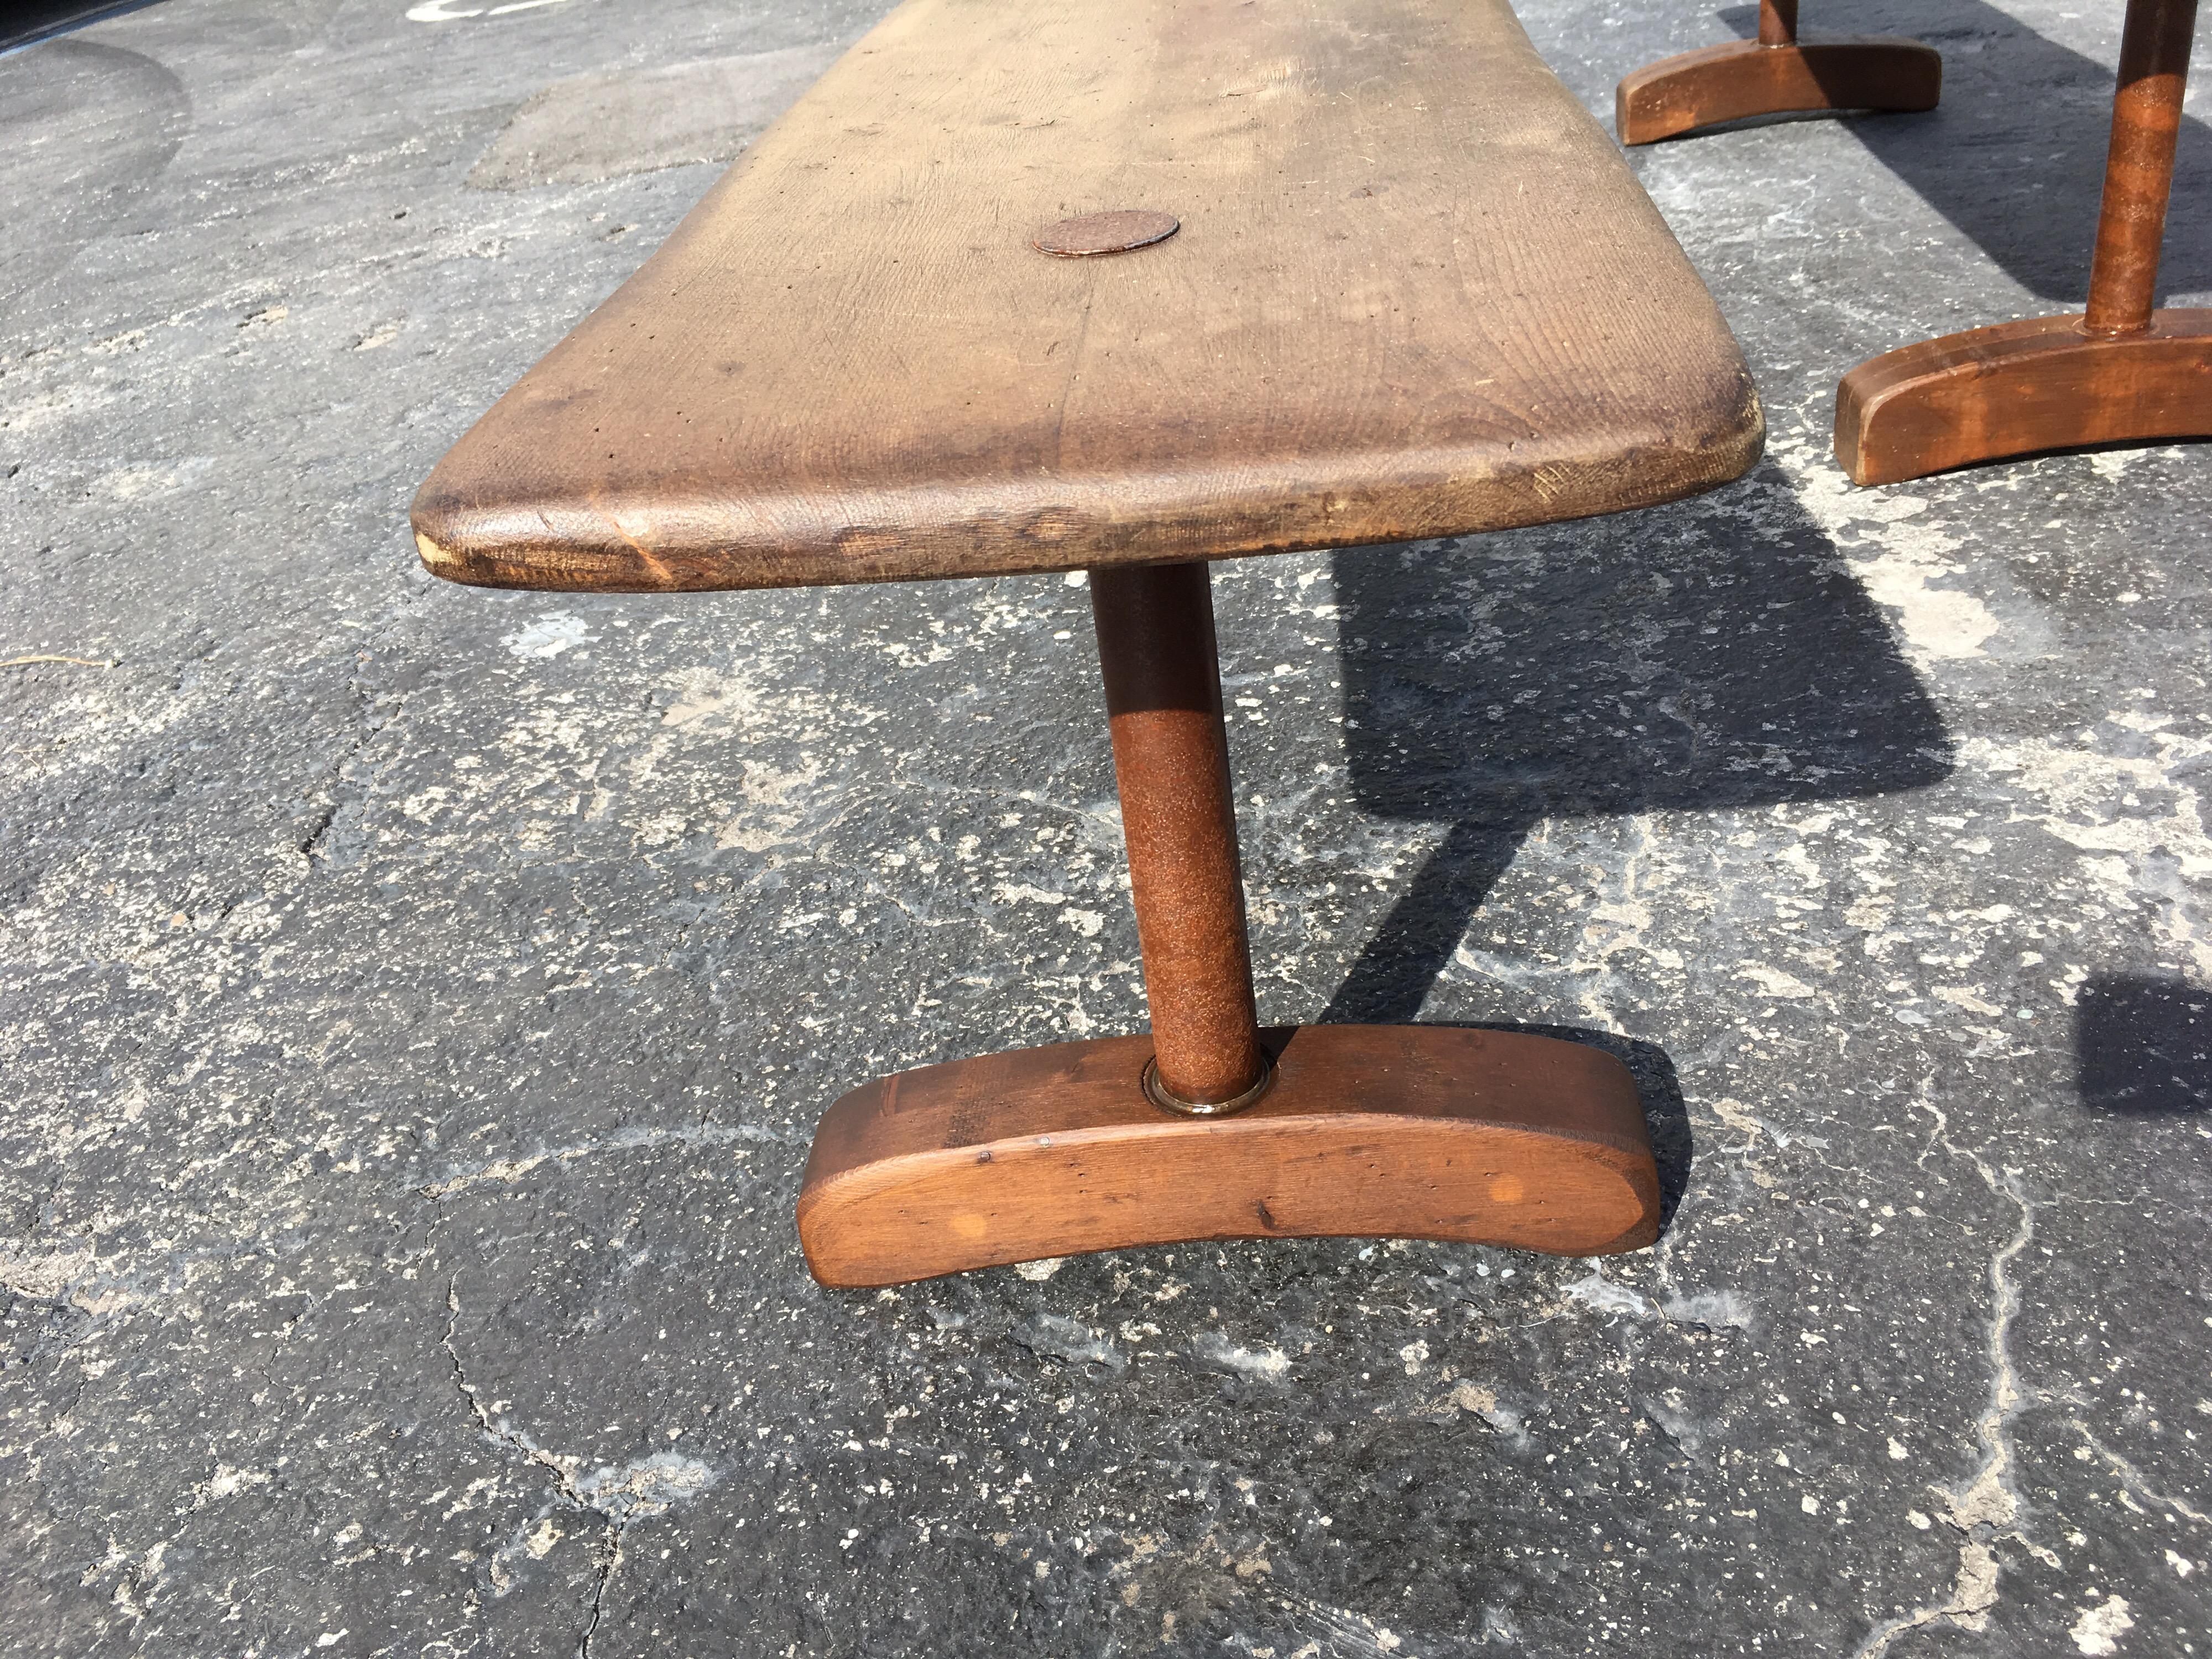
2154 75
1744 78
2019 388
1405 1131
1416 292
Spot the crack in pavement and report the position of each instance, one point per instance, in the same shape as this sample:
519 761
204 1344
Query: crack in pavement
618 1496
2131 1477
1985 1507
564 1484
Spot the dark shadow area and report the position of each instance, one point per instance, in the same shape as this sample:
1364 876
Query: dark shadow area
26 22
2014 155
86 131
1685 658
2143 1045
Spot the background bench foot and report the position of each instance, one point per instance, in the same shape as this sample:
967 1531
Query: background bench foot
1384 1131
1778 74
1732 83
2019 387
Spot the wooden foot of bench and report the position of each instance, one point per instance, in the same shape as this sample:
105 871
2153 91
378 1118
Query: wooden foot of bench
1387 1131
2120 372
1777 73
1212 1128
2019 388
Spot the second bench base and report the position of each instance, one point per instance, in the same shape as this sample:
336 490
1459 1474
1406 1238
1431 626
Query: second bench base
1383 1131
2018 388
1744 78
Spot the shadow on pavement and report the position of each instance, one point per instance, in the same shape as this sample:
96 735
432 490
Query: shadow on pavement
1653 661
2014 155
26 22
2143 1045
85 131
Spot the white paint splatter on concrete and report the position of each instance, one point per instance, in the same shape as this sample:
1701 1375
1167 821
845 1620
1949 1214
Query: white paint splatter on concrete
1714 1310
1601 1294
548 636
2099 1630
1774 982
1267 1364
647 1486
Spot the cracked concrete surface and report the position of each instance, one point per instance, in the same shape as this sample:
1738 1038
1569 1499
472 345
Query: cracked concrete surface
418 1000
648 1485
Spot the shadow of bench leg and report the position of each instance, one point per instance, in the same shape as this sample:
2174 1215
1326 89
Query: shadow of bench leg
1777 73
1211 1128
2120 372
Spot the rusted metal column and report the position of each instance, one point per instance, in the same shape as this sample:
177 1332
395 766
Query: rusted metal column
2139 166
1777 22
1156 644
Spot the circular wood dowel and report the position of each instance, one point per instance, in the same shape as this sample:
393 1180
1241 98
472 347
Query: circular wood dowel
1156 645
1096 234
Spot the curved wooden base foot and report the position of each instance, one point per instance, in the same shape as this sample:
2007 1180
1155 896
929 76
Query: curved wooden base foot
1385 1131
2021 387
1744 78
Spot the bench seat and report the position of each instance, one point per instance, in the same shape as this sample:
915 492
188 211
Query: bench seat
1416 292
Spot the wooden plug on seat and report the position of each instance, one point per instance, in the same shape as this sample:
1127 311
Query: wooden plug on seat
2121 372
1778 74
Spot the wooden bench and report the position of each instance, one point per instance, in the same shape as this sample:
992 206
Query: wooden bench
1382 279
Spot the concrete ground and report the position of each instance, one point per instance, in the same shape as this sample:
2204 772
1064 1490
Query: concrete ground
417 1000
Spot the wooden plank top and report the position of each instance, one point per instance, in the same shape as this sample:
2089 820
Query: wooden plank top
1415 292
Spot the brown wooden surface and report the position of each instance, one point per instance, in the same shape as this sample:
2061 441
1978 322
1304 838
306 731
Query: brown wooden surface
2154 70
1411 1131
1156 647
1416 292
2019 388
1744 78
